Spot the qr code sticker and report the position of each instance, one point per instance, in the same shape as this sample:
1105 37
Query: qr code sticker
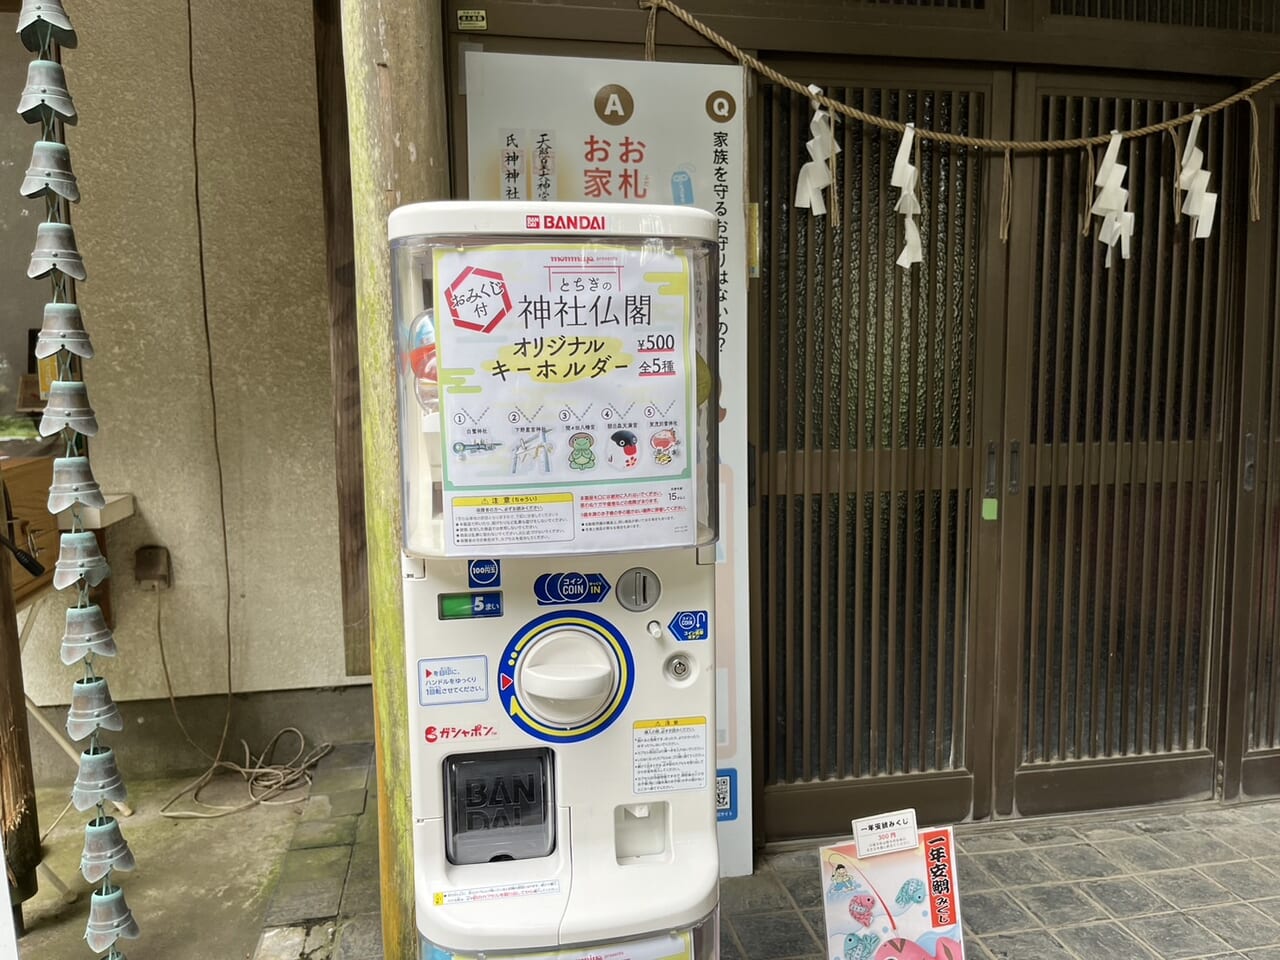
722 793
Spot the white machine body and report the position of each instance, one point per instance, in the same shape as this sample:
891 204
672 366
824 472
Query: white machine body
561 683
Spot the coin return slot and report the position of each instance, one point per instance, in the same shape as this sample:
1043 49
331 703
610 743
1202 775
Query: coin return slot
640 832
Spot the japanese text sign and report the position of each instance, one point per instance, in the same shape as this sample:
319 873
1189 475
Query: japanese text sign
568 400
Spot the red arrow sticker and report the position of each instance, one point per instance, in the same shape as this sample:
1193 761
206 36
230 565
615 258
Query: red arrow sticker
505 681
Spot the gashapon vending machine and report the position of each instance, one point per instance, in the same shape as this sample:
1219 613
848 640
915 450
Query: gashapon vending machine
556 366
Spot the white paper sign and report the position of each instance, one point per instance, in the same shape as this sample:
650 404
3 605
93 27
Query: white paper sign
886 833
568 425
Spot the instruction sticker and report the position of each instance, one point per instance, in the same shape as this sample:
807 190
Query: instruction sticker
499 891
669 755
453 680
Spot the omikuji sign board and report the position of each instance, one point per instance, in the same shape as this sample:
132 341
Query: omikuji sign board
620 131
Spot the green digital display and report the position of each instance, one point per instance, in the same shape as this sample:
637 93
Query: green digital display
470 606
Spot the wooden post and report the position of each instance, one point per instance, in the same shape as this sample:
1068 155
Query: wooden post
393 51
344 348
18 821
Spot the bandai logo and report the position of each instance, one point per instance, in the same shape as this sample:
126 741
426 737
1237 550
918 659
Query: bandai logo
562 222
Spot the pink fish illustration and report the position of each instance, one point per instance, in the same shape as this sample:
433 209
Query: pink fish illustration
862 907
899 949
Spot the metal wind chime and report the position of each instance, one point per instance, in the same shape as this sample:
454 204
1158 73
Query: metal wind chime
45 29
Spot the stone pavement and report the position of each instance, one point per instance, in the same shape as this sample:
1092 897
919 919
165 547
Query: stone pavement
1198 881
325 902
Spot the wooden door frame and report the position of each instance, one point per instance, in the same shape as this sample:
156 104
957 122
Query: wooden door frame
1058 787
793 810
1244 773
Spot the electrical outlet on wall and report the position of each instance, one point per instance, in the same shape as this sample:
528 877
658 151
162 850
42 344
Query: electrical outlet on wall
151 564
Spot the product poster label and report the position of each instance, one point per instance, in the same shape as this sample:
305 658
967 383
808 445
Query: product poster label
902 904
668 755
568 401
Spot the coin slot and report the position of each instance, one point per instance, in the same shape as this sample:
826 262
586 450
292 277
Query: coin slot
638 589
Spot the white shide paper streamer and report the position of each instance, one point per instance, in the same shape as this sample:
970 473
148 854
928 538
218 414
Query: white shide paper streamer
1200 204
1117 223
815 176
905 178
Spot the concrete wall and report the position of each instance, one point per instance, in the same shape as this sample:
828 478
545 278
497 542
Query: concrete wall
242 206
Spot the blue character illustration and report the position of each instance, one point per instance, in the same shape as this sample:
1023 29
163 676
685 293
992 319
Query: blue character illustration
682 189
841 881
860 946
911 892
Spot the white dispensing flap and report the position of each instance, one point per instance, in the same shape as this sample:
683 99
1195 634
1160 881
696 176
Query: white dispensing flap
458 218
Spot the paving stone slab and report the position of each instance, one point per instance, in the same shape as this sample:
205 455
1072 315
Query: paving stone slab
336 832
995 912
317 808
1102 941
298 900
320 941
972 877
805 887
1058 904
359 938
281 943
1188 889
774 936
339 779
1139 855
1126 898
367 823
1248 880
1108 830
1200 847
1049 835
757 893
364 861
1242 926
362 895
319 863
729 949
1084 862
348 803
817 921
806 859
1158 825
1024 867
359 754
975 950
1032 945
1175 936
989 842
